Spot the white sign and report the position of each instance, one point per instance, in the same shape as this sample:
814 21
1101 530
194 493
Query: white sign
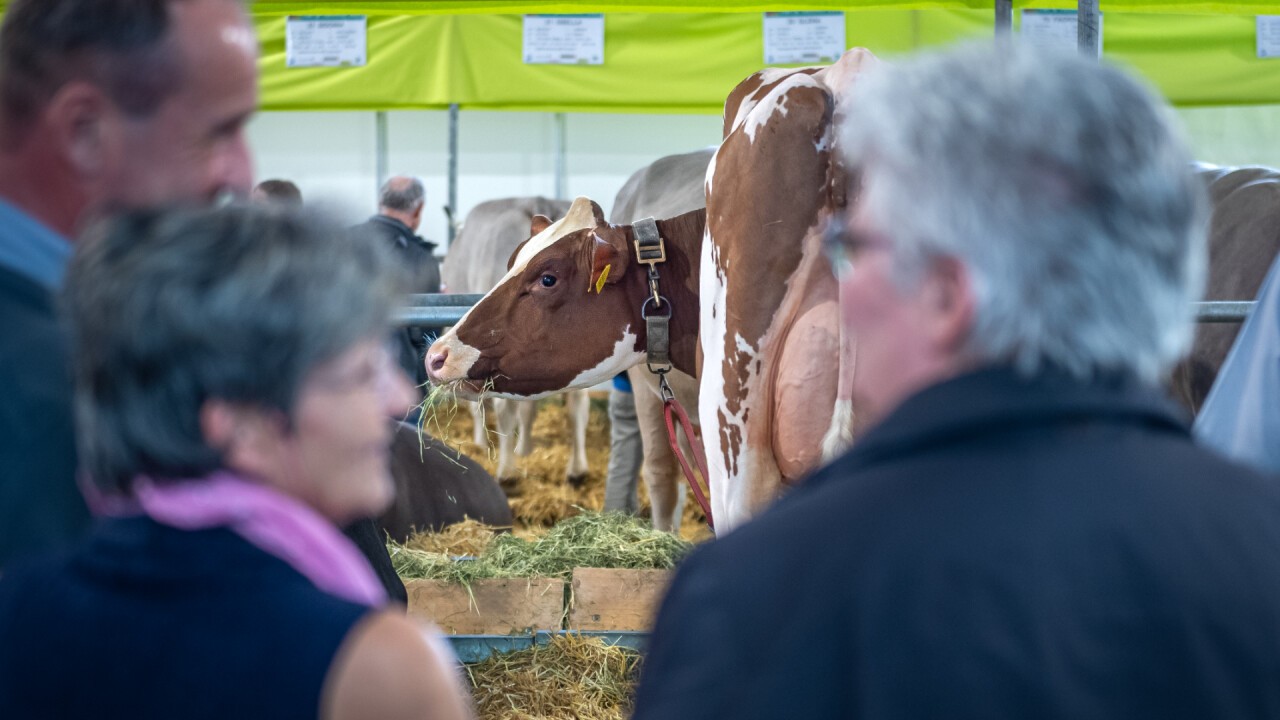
803 37
1268 36
564 39
1055 29
325 40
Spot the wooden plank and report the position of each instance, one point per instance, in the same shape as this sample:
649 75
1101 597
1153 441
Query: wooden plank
492 607
610 599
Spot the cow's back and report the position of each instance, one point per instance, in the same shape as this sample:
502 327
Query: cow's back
493 229
671 186
1244 237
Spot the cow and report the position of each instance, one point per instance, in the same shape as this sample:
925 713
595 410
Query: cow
754 307
476 260
668 187
437 487
1243 239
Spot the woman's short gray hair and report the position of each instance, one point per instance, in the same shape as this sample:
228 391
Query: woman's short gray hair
1061 183
168 310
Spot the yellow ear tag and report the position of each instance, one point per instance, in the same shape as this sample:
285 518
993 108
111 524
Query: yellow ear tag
604 275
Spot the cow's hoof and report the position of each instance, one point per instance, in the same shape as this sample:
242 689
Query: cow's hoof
511 486
577 481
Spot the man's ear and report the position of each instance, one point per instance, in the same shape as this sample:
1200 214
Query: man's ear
951 302
80 115
608 262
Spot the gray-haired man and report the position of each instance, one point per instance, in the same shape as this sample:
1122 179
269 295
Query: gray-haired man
1026 530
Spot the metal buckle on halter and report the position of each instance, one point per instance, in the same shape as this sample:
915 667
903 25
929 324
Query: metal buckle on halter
651 249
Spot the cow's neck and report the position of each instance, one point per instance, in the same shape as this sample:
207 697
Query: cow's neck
678 282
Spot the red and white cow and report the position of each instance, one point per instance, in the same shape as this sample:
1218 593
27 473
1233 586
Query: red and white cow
754 305
476 261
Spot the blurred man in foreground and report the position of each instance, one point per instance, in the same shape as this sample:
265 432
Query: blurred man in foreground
104 104
1026 530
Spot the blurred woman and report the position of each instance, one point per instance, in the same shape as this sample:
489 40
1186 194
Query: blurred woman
232 398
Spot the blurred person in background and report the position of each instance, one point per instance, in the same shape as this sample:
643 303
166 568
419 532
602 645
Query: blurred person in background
1026 529
104 104
232 391
276 191
394 228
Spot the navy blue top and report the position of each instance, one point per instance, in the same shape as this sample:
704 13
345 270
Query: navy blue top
147 621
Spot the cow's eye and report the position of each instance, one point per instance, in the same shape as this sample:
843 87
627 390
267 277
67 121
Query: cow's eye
548 281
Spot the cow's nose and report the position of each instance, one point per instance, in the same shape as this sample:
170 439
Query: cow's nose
436 361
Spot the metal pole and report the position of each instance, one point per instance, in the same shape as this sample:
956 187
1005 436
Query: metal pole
560 151
437 310
453 172
1087 27
1004 18
380 135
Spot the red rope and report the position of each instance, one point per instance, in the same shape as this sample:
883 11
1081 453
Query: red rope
668 405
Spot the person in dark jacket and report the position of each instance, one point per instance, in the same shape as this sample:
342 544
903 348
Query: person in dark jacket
1026 530
222 444
400 203
394 230
103 105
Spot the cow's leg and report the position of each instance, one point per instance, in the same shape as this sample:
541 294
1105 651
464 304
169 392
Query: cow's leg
526 412
505 413
662 475
577 403
480 432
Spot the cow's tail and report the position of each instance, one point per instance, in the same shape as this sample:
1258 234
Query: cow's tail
839 435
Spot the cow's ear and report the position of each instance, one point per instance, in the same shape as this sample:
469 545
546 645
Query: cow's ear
608 263
514 253
538 224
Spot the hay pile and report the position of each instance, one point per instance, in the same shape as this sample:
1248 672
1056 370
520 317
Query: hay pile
467 538
544 497
589 539
568 679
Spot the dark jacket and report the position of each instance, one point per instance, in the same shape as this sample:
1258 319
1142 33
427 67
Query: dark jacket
148 621
40 505
422 268
996 548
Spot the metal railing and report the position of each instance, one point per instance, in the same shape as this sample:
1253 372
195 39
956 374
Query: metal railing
446 309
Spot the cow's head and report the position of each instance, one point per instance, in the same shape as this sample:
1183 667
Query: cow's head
560 318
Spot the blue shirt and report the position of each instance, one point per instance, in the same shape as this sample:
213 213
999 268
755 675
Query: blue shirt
31 247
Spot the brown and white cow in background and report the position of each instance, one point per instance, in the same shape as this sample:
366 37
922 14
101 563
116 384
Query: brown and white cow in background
668 187
754 305
476 261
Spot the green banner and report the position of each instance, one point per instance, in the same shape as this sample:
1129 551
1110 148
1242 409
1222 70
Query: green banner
687 63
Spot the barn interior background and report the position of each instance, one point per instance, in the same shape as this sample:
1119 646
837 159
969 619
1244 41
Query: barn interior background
583 129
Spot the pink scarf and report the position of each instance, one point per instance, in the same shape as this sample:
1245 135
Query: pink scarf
270 520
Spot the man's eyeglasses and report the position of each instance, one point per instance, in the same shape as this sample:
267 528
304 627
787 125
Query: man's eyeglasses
842 246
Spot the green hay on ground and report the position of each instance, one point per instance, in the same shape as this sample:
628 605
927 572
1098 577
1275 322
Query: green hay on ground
589 539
